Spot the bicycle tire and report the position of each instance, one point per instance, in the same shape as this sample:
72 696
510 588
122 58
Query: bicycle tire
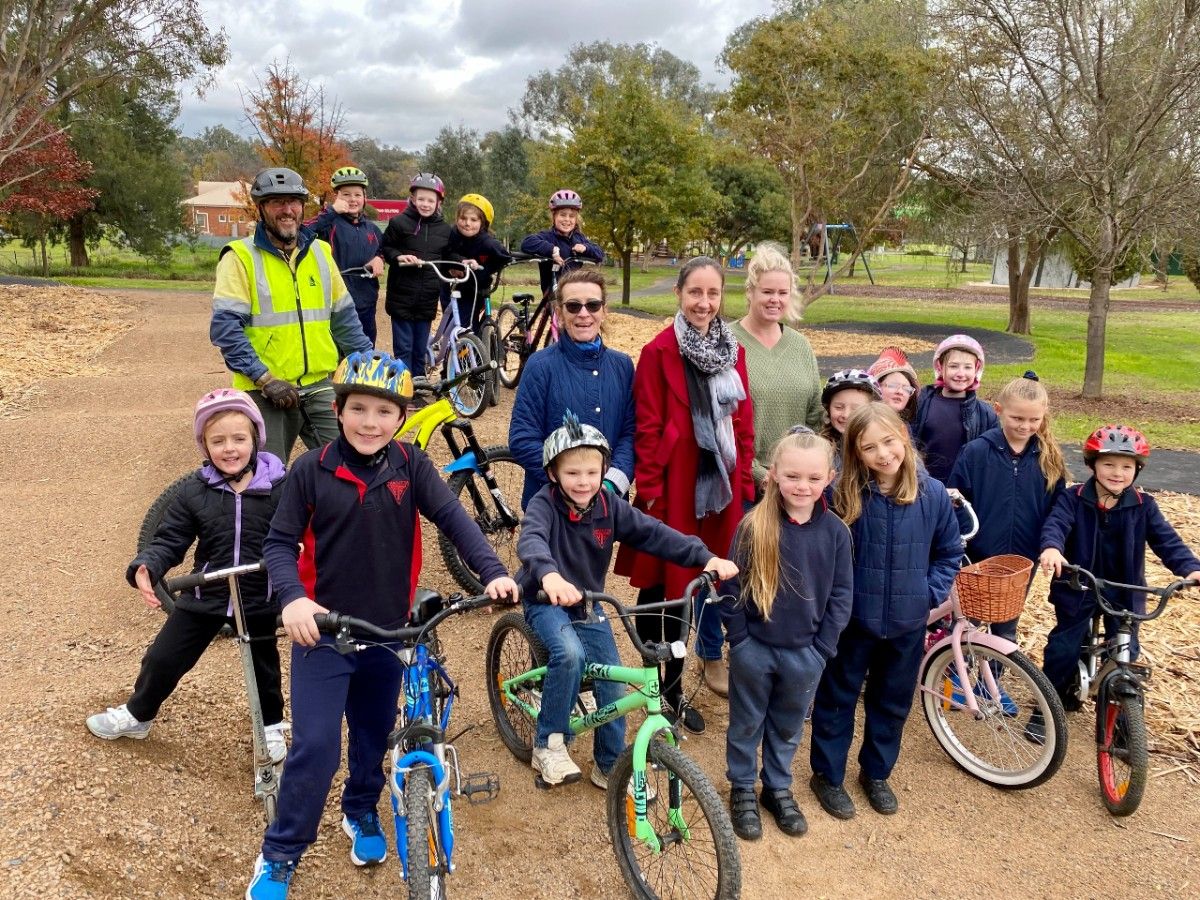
490 338
994 748
512 345
270 807
469 399
1123 741
708 853
513 648
150 522
426 881
471 490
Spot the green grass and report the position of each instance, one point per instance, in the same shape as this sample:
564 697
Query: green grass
109 261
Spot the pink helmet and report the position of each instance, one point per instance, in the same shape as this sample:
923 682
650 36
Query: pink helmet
962 342
222 400
565 200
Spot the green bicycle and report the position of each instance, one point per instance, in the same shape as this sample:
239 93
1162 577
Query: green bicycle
669 829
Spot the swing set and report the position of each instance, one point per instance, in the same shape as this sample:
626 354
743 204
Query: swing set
827 239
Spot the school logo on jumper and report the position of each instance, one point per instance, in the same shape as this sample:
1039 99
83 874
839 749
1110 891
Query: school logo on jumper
397 488
602 535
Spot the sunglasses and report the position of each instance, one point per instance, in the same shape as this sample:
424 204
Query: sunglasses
575 306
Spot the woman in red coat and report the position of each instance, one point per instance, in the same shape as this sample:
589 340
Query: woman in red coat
694 446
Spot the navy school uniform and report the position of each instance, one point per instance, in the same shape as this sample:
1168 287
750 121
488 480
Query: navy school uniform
492 258
976 418
355 241
544 243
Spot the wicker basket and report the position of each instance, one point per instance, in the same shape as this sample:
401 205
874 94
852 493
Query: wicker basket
994 590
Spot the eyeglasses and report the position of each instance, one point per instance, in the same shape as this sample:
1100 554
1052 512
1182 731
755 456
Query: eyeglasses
574 307
903 387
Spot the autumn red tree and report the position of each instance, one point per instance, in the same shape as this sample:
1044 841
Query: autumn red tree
45 182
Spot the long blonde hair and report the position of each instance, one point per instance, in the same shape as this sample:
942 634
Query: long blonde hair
855 475
771 257
1029 390
759 534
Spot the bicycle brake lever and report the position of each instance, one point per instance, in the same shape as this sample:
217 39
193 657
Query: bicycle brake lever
343 643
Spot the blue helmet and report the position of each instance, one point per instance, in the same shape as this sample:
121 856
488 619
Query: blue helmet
375 373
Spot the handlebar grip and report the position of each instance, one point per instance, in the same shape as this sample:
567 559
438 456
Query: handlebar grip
179 583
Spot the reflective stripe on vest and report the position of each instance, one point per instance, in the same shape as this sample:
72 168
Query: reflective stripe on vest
289 313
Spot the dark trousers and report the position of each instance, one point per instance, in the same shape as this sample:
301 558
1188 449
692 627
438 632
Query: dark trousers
180 644
659 627
889 666
366 315
1065 643
770 689
410 343
365 688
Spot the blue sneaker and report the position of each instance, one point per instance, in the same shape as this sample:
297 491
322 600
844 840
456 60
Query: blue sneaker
368 846
1007 705
270 880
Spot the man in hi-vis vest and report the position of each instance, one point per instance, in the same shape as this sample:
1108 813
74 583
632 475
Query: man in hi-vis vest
282 317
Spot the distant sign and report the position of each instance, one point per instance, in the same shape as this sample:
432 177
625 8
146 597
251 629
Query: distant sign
388 208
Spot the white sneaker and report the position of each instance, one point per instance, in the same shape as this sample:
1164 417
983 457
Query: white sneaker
588 700
116 722
554 763
600 780
276 743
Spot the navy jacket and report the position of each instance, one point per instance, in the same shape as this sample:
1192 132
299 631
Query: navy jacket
596 385
543 244
554 538
355 242
977 416
491 256
1074 530
905 558
816 591
362 540
1009 495
228 529
412 292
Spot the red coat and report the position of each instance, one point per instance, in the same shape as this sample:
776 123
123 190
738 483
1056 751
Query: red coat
667 458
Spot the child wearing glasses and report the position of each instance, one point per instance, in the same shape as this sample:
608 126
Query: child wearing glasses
579 373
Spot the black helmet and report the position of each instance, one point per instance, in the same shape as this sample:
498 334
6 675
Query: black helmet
277 182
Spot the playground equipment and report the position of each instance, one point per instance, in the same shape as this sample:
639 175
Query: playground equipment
824 241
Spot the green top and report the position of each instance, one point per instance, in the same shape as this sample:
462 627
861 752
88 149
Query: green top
785 387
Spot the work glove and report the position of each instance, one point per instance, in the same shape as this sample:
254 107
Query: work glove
282 394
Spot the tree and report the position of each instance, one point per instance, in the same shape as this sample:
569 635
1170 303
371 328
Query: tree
837 97
638 158
388 168
1090 108
297 126
507 177
455 156
218 154
751 203
45 42
48 179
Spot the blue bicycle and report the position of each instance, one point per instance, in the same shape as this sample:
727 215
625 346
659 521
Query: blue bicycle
425 774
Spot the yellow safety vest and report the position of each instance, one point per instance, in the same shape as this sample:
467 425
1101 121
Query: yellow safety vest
289 312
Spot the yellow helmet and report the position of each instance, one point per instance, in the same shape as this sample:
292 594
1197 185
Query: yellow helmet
375 373
483 204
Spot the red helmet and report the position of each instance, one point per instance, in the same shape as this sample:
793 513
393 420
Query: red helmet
565 200
1116 440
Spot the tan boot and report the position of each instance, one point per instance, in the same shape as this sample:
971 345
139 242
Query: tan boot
716 676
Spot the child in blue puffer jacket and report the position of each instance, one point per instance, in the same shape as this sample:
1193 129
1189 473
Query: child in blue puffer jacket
949 414
906 555
563 242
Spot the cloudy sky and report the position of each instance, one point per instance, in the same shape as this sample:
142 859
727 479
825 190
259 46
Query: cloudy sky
403 69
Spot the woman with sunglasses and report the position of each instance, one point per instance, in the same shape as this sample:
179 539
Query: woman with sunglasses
579 374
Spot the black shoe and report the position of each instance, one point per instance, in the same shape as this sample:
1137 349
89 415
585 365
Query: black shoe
689 716
1035 728
782 805
879 795
743 811
832 797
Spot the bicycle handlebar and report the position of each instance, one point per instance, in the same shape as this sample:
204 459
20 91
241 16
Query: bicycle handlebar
433 264
1080 575
443 387
518 256
961 502
347 626
657 651
358 272
196 579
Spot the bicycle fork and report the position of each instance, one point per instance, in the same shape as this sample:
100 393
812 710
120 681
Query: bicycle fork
401 766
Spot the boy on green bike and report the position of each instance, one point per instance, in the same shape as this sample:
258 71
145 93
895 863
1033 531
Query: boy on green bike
565 548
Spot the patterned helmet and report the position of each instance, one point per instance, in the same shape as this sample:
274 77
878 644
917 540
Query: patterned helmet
226 400
893 359
429 182
483 204
1116 440
347 176
565 200
374 373
572 435
958 342
855 379
277 182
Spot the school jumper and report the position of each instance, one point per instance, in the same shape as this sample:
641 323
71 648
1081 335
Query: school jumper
905 560
413 291
492 258
579 547
543 244
1111 544
355 241
977 417
357 519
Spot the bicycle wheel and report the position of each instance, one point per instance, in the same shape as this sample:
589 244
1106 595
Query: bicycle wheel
425 871
514 648
698 856
472 491
150 522
490 338
1121 757
470 397
512 345
993 746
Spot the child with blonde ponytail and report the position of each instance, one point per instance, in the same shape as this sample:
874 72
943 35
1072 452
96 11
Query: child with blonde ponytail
791 602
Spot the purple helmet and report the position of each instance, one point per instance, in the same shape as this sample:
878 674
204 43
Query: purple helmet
565 200
223 400
429 182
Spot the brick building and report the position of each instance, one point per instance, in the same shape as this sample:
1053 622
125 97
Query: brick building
219 209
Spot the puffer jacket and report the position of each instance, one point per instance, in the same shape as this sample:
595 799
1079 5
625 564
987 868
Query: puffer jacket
905 558
228 529
413 292
977 416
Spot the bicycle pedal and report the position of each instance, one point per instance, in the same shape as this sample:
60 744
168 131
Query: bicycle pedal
480 787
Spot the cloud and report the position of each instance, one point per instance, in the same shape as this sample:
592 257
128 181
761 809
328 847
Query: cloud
404 69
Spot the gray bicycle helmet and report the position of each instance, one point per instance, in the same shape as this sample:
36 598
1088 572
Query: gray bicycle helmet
277 182
856 379
571 435
429 182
